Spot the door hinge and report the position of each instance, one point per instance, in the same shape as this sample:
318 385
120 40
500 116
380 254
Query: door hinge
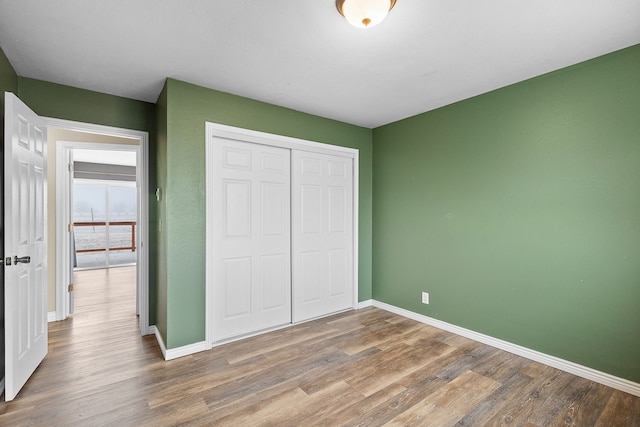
70 227
70 287
70 167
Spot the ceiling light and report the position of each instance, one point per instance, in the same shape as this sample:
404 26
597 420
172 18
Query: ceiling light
364 13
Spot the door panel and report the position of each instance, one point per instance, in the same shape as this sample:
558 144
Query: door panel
237 202
322 234
310 275
38 226
337 212
23 332
251 262
274 280
237 287
273 205
337 272
310 200
25 238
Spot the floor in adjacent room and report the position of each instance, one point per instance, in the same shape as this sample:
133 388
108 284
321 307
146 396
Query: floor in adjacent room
367 368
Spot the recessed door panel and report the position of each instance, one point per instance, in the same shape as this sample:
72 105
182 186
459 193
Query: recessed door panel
24 203
237 287
337 169
274 279
309 165
39 328
23 133
310 275
337 209
337 272
274 217
39 213
236 158
310 210
275 163
25 312
38 135
237 206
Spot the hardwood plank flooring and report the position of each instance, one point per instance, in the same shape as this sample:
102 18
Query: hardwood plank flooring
361 368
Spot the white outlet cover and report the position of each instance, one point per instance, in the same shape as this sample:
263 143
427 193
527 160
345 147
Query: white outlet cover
425 297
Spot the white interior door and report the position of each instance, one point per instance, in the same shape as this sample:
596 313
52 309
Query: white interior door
25 270
322 234
251 259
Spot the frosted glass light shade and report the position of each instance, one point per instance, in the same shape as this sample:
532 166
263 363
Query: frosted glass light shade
364 13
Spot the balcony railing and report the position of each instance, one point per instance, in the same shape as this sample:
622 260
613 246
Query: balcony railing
132 224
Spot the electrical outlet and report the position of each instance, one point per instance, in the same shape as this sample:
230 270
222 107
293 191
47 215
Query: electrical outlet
425 297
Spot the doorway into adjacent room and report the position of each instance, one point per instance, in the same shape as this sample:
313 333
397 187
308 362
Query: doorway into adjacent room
104 210
101 217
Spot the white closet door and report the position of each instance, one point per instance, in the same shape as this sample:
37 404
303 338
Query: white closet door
252 257
322 234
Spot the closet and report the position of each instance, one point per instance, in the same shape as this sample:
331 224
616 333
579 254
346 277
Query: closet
280 231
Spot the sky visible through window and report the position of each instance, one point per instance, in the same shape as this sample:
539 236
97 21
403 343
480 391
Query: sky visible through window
104 202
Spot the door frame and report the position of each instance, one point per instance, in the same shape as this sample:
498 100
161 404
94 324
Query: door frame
63 217
256 137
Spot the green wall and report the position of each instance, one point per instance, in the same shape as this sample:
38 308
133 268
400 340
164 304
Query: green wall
188 107
8 78
519 211
65 102
8 83
69 103
160 157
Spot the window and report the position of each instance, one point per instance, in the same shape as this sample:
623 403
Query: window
104 216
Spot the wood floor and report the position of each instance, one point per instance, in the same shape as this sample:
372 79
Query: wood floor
362 368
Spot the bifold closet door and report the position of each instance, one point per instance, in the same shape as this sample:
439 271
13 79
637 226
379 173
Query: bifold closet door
322 234
252 222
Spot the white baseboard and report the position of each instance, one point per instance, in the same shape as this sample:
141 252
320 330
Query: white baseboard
52 316
364 304
153 330
555 362
174 353
185 350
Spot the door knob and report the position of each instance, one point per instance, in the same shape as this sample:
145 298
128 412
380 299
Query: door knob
22 259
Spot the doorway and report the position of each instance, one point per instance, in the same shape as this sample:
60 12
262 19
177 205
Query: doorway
121 242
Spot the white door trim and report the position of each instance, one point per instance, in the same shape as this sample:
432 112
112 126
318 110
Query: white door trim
62 212
247 135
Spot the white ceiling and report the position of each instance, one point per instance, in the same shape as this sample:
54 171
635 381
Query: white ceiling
303 55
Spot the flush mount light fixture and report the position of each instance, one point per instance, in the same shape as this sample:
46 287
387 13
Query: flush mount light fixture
364 13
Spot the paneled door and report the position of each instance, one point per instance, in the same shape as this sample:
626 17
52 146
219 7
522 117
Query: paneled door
322 234
25 265
251 259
